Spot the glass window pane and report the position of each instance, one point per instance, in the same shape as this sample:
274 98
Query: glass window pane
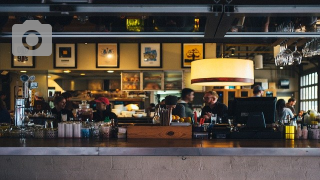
316 92
316 77
312 92
306 80
310 79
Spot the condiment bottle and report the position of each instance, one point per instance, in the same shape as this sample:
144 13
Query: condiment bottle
299 132
304 132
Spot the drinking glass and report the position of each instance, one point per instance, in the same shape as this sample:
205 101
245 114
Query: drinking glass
214 118
297 57
64 117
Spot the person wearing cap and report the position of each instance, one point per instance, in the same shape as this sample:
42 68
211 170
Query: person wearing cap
258 91
59 109
103 110
39 103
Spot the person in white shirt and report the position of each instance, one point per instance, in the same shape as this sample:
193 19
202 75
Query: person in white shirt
282 112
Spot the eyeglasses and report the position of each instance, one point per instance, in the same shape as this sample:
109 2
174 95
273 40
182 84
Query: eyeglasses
206 98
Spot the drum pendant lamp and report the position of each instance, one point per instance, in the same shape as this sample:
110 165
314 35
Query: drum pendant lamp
222 72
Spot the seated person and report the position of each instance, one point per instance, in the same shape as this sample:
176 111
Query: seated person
103 110
39 103
213 106
282 112
59 109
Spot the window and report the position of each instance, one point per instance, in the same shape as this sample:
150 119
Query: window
309 91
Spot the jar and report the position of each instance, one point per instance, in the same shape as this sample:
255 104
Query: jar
29 133
85 132
39 132
84 112
105 131
51 133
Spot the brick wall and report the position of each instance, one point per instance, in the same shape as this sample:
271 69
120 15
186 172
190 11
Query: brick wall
157 168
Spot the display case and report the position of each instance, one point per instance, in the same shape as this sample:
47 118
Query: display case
173 80
131 81
152 80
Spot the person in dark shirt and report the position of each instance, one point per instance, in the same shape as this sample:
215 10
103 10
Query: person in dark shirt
39 103
213 106
103 110
4 114
59 108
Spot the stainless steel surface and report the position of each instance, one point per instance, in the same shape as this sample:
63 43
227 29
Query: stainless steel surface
159 147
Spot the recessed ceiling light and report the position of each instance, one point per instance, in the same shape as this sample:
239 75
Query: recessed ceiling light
82 74
281 67
85 43
23 71
110 71
49 76
66 71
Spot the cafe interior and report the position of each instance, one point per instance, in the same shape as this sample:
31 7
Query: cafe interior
138 53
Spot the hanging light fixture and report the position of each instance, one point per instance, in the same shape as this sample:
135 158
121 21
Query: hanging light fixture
222 72
258 61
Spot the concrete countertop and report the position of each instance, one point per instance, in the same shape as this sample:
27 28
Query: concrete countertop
159 147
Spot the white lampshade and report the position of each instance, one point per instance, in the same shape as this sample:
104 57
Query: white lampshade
258 61
222 72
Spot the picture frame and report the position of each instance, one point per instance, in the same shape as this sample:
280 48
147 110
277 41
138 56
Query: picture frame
23 61
65 55
107 55
150 55
191 52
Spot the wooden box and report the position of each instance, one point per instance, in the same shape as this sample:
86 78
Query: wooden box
160 132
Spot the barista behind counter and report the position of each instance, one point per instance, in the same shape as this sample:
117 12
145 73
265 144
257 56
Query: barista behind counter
59 109
104 110
213 106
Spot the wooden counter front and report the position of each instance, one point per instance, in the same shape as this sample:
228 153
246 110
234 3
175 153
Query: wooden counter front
160 132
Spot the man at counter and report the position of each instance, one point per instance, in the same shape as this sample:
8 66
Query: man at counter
258 91
39 103
59 111
103 110
2 97
213 106
4 114
290 105
183 108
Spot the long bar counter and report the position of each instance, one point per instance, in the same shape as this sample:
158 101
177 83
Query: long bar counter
159 147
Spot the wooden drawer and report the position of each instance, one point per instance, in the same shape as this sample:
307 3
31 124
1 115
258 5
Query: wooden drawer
160 132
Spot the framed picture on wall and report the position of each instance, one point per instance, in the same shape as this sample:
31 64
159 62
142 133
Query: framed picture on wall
65 56
150 55
23 61
191 52
107 55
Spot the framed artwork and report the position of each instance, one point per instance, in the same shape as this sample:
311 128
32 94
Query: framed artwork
23 61
107 55
191 52
65 56
150 55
